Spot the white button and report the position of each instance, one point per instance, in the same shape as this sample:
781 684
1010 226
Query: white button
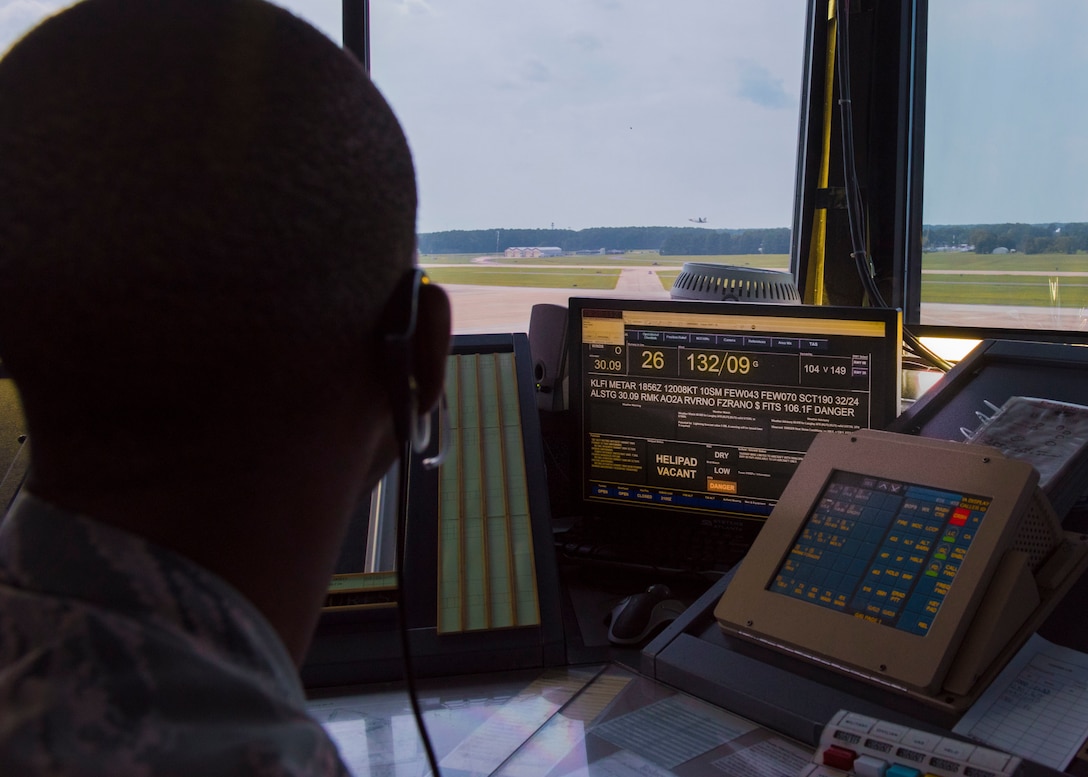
837 717
867 766
921 740
989 759
860 724
893 732
954 749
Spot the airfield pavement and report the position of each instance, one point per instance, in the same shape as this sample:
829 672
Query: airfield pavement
506 309
479 309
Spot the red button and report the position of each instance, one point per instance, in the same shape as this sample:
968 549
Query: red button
839 758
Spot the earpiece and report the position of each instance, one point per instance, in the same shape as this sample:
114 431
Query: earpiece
399 326
412 427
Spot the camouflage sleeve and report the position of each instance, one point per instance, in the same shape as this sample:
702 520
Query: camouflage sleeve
119 658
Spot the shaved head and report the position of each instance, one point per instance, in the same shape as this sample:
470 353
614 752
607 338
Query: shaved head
204 206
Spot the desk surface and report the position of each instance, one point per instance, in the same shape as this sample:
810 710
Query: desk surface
599 719
613 712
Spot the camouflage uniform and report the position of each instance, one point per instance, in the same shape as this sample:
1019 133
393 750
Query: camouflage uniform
121 658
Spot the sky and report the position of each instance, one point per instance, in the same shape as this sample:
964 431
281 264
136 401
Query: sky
585 113
1006 112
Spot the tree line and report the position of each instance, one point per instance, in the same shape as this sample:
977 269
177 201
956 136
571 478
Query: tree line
669 241
1055 238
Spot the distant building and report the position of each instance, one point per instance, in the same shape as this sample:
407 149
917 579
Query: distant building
535 252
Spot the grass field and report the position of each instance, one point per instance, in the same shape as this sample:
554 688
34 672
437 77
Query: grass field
1006 290
999 263
593 271
998 287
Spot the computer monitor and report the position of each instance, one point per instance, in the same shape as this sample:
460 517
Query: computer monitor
687 410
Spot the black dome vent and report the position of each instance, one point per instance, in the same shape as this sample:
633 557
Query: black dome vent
727 283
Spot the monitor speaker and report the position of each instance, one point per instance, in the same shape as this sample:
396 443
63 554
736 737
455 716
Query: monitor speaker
548 346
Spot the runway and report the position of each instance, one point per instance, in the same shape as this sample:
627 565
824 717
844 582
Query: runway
506 308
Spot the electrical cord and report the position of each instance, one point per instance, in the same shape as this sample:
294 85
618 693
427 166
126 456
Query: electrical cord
402 616
855 212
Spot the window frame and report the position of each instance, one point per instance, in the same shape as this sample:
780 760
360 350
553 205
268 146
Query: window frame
888 48
888 75
356 29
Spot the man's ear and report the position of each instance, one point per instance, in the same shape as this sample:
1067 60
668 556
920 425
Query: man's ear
431 344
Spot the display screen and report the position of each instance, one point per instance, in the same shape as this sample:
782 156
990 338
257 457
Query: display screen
710 407
882 550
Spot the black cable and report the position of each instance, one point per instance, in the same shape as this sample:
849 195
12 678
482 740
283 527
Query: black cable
402 614
855 207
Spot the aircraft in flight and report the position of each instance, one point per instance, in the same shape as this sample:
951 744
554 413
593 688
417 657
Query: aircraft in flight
700 220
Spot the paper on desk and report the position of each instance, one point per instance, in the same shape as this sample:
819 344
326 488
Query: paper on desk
683 736
674 730
1037 708
765 759
671 736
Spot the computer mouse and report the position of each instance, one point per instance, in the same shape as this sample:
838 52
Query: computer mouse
639 616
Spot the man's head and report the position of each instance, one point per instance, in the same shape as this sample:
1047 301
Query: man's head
205 207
